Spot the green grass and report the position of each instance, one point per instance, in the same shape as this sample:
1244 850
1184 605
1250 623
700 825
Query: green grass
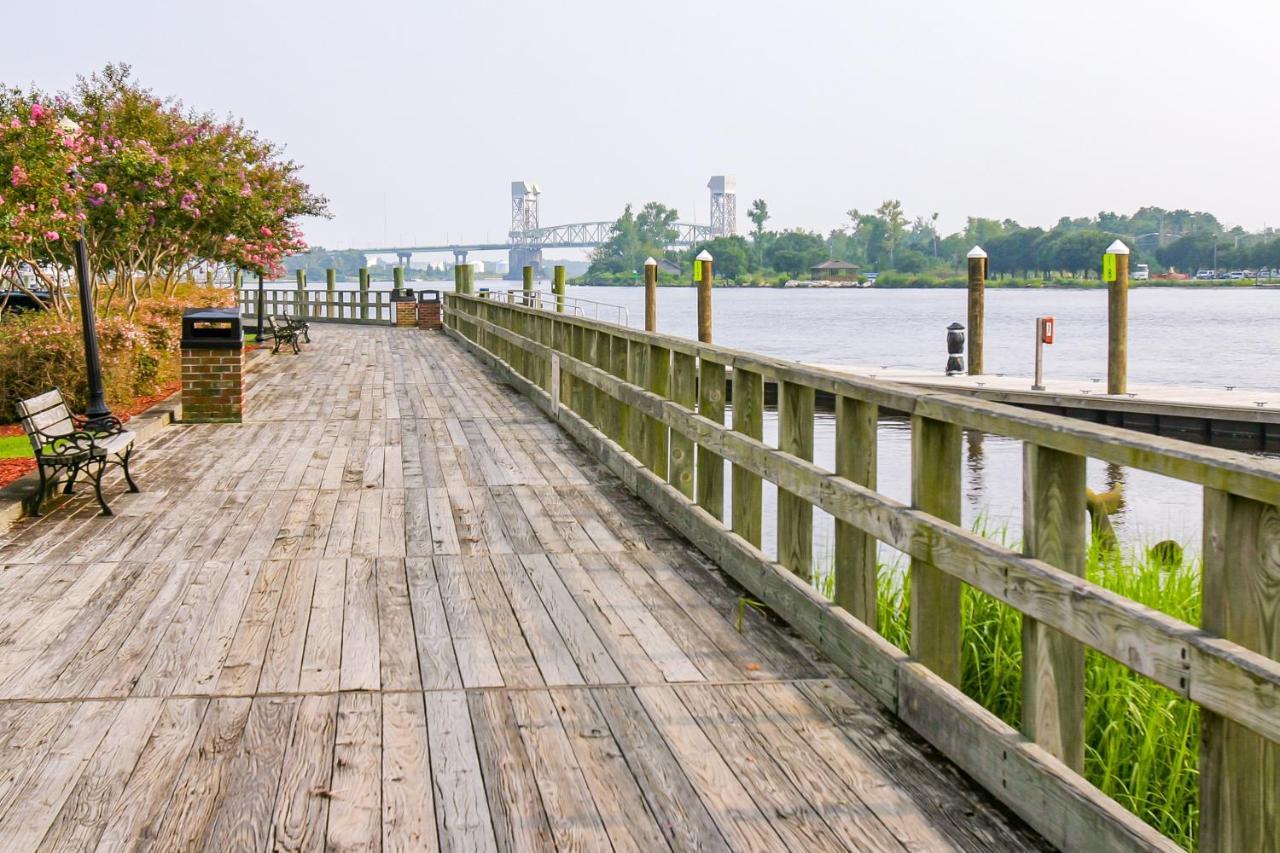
1141 740
14 447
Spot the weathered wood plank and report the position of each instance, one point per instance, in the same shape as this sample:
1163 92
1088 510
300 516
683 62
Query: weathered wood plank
855 566
1055 530
935 595
1239 769
795 515
747 494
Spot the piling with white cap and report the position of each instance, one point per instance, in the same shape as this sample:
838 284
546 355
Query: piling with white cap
1115 272
977 310
704 296
650 295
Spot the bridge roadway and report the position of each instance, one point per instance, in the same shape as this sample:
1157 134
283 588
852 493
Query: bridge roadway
398 608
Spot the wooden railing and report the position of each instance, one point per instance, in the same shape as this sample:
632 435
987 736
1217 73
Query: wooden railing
339 306
652 408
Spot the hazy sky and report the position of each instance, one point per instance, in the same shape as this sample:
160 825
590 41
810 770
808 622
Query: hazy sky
414 117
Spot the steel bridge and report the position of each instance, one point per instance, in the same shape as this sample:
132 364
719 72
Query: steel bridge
527 238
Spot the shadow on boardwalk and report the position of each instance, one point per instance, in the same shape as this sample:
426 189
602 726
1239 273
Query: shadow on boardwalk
397 607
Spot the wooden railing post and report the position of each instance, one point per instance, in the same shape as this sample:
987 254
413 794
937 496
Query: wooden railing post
1054 529
300 295
855 550
620 412
748 488
684 391
660 384
638 424
935 595
330 286
795 515
1239 769
711 466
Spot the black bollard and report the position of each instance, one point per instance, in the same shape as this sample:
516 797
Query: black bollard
955 349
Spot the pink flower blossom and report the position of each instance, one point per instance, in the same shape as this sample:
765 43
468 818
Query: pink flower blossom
18 176
100 188
265 231
51 235
37 112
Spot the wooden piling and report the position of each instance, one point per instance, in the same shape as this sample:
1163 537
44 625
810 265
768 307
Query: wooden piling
397 277
704 297
300 294
1117 268
977 310
457 278
651 295
330 291
557 287
1055 530
528 285
364 293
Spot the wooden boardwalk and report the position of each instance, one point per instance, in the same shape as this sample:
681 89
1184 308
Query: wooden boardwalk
398 608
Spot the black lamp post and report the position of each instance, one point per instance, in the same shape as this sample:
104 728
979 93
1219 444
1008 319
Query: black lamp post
97 410
262 304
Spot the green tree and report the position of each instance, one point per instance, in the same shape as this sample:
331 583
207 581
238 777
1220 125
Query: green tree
634 237
794 252
895 225
731 255
759 215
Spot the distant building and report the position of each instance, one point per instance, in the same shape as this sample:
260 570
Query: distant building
834 270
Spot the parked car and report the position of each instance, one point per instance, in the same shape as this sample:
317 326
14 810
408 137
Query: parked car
1141 272
1236 275
1205 275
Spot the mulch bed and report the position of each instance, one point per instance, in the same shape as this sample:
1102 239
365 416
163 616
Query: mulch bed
12 469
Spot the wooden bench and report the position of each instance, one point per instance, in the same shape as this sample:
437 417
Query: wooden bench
63 442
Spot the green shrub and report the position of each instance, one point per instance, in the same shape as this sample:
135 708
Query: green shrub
40 350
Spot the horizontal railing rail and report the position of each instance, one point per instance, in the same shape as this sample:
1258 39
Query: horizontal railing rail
652 407
337 306
575 305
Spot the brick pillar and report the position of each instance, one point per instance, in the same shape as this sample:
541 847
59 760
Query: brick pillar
212 385
429 316
406 313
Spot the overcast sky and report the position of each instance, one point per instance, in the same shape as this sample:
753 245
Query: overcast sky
414 117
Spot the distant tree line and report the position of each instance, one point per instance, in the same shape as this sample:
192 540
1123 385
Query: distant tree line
886 239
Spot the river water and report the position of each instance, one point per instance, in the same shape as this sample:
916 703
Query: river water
1210 337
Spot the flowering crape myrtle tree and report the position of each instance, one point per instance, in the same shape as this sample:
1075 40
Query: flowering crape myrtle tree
39 195
160 191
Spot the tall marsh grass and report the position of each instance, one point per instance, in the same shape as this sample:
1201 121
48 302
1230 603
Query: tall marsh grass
1141 740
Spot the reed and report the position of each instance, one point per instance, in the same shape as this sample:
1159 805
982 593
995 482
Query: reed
1142 741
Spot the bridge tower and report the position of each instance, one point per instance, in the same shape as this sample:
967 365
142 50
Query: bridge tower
524 222
724 205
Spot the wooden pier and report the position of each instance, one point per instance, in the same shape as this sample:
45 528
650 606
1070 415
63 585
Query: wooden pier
652 408
1237 418
399 608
